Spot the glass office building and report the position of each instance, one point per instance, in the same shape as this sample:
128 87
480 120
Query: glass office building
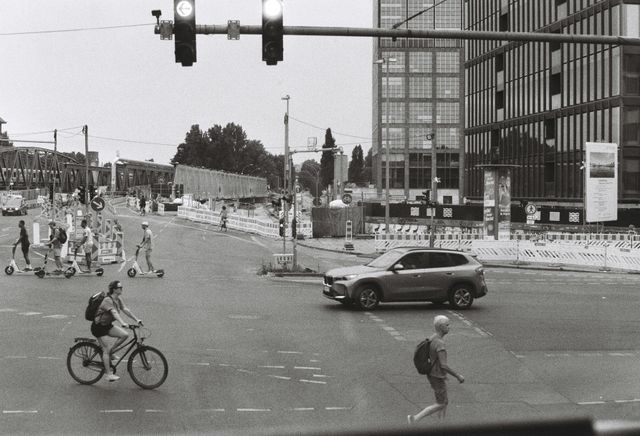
417 100
535 105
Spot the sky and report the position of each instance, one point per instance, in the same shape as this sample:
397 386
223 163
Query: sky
124 84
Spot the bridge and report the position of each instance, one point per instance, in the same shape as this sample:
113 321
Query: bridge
36 167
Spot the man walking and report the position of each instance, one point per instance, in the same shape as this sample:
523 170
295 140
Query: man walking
147 244
437 376
86 243
56 245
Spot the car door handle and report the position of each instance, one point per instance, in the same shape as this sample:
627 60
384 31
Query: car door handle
449 273
417 275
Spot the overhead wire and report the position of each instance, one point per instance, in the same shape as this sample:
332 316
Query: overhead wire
79 29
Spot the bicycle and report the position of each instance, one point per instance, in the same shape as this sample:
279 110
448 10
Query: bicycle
146 365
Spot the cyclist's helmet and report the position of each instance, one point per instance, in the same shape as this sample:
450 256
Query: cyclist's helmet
114 284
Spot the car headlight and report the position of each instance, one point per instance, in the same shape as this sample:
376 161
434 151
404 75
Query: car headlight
349 277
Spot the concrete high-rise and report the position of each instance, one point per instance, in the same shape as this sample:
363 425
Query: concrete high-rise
424 100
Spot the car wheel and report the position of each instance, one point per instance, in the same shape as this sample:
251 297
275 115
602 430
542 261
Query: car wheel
367 298
461 297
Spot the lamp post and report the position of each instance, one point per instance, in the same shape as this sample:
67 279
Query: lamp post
386 61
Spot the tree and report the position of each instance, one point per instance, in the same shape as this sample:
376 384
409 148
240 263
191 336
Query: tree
356 166
326 162
309 177
367 171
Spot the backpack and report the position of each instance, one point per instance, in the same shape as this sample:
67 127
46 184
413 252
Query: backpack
422 358
62 235
92 308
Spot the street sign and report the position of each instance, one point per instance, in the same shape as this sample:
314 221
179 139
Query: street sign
97 204
530 209
346 198
184 8
297 188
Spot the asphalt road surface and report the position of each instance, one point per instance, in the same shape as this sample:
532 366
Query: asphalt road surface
249 353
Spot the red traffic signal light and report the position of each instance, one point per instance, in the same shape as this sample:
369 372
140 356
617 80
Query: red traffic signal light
184 15
272 30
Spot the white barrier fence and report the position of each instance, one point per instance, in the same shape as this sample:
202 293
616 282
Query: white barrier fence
601 251
241 223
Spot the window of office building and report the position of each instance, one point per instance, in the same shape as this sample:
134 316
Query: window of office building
447 137
420 62
420 87
447 62
396 66
630 130
447 87
631 74
396 112
396 87
418 138
420 112
422 21
391 11
396 135
447 113
448 14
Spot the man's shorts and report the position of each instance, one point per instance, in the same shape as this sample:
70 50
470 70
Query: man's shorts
86 249
57 251
99 330
25 249
439 386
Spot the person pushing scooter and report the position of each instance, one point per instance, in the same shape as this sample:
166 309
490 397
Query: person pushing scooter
56 245
147 244
23 240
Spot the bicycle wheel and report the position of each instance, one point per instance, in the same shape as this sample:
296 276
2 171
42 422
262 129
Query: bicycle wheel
147 367
84 363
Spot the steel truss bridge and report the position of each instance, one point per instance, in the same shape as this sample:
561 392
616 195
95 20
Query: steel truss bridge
35 167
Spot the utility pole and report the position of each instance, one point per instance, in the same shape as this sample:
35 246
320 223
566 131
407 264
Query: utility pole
386 61
285 209
85 130
55 167
434 188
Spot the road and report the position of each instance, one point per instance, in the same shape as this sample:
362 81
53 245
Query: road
248 353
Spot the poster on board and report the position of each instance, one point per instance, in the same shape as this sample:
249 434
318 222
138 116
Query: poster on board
601 182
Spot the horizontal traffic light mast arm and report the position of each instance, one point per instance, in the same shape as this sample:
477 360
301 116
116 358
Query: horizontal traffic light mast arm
208 29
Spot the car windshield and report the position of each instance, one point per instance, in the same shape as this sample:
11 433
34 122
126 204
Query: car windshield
386 260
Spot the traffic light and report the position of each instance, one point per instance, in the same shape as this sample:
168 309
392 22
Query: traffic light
184 28
294 228
82 194
282 227
272 30
92 192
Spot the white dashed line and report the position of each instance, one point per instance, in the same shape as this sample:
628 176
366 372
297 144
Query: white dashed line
15 357
313 381
253 410
290 352
8 310
18 411
154 411
587 403
336 408
56 316
198 363
308 367
117 411
49 357
30 313
271 366
281 377
302 409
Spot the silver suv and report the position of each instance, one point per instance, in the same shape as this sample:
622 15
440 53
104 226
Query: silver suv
409 274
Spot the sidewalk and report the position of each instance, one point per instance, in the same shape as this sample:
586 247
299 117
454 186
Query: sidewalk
366 248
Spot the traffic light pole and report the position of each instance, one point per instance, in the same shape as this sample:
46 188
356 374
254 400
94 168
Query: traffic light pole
85 130
165 28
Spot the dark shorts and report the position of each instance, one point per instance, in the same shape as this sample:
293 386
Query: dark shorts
25 249
99 330
439 386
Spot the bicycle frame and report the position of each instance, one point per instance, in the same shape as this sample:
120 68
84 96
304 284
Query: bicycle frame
135 342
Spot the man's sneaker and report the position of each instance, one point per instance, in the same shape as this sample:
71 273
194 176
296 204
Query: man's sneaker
27 268
113 377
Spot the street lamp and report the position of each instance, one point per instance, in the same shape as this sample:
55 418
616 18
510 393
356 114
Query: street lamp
386 61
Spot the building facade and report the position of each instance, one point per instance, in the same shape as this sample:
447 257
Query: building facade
418 100
535 105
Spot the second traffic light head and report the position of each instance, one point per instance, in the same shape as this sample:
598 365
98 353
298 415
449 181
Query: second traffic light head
272 30
184 13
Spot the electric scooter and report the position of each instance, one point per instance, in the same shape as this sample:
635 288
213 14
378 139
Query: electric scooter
77 270
136 270
13 266
41 272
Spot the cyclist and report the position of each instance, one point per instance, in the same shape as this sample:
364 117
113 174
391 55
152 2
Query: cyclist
102 325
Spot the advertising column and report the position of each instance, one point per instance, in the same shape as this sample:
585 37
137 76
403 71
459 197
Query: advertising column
497 203
489 203
504 204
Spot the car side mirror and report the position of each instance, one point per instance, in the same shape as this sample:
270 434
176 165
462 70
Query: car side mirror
398 267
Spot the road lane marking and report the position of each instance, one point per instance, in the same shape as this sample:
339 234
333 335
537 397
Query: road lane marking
313 381
18 411
50 357
30 313
8 310
154 410
15 357
308 367
56 316
272 366
302 409
117 411
253 410
290 352
337 408
198 363
281 377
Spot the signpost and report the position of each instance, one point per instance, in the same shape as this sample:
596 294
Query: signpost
346 198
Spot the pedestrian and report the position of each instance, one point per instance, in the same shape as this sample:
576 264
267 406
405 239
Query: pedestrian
223 218
86 243
147 244
23 240
55 245
437 376
102 325
143 204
